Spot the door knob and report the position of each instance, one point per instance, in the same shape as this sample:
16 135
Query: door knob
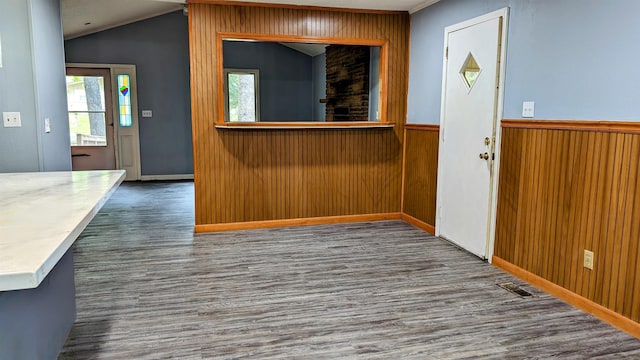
484 156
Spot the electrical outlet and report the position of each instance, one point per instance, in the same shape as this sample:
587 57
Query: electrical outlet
528 109
588 259
11 119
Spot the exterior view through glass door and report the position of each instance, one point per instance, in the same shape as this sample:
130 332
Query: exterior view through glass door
91 127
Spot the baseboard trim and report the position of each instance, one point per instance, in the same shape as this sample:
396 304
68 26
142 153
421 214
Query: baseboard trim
423 127
252 225
419 223
625 127
613 318
166 177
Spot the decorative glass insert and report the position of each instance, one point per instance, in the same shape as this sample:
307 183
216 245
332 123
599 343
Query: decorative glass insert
124 100
470 71
87 112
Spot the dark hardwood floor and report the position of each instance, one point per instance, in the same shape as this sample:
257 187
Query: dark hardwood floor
147 288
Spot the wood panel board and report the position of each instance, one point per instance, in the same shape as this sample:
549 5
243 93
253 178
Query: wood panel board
421 170
275 174
566 190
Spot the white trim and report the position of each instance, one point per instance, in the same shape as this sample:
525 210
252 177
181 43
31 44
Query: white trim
114 69
493 210
0 50
493 192
423 5
166 177
504 12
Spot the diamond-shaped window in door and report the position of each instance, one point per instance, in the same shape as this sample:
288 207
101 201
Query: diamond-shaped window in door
470 71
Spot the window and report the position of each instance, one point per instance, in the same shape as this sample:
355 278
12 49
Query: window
124 101
470 71
87 111
241 93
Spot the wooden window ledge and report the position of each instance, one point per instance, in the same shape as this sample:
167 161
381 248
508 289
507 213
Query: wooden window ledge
305 125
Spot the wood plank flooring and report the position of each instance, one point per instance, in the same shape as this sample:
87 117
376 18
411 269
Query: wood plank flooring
148 288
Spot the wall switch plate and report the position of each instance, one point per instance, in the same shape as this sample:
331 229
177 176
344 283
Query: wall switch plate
47 125
11 119
528 109
588 259
147 113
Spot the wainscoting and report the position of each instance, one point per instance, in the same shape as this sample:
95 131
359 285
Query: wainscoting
420 175
257 175
564 186
570 186
148 288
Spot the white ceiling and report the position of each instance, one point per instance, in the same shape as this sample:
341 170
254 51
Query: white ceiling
82 17
308 49
397 5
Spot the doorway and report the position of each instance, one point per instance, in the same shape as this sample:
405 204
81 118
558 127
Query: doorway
103 117
468 160
91 127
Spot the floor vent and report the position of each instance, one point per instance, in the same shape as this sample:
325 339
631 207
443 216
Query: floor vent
513 288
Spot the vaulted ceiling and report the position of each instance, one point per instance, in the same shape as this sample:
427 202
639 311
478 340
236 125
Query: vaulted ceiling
82 17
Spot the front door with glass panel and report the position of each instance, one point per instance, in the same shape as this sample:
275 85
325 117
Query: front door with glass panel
91 127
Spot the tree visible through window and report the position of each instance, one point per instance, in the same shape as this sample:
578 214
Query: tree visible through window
87 112
241 92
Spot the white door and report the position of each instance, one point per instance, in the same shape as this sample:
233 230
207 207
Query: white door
121 100
128 138
470 110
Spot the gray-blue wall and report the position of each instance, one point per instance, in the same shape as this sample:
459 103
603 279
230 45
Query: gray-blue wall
17 69
32 83
319 65
574 58
35 323
159 47
285 78
48 51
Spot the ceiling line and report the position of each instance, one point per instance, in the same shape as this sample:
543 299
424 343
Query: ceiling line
123 22
422 6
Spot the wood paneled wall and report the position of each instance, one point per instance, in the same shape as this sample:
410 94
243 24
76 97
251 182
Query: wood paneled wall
563 191
255 175
421 172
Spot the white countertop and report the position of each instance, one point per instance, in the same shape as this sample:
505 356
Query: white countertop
41 215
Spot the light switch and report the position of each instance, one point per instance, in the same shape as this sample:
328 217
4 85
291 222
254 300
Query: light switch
147 113
11 119
47 125
528 109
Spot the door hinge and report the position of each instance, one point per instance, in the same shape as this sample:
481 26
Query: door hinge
446 53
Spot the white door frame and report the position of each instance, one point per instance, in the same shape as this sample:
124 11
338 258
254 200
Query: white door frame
497 133
130 70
